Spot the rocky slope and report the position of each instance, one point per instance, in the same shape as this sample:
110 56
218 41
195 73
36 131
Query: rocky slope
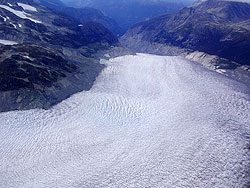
215 27
52 55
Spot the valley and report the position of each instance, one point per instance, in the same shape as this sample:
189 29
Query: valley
148 121
124 94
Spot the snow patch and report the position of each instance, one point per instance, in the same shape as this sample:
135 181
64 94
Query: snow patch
221 71
8 42
4 19
107 55
28 57
27 7
13 25
20 14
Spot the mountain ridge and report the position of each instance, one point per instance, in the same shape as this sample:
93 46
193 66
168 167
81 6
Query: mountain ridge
193 30
35 70
129 12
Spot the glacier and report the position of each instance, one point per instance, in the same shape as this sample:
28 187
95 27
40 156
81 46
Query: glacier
148 122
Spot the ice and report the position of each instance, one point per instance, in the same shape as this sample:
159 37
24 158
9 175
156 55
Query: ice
7 42
20 14
148 121
107 55
27 7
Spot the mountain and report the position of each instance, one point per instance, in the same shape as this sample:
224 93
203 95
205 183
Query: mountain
83 15
234 11
38 24
54 4
46 56
215 27
130 12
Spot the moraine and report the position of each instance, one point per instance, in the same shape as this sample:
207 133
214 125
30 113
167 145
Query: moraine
148 121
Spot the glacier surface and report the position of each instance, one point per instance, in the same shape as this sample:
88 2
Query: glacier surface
148 122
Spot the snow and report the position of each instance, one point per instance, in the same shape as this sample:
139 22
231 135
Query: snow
27 57
4 19
8 42
27 7
221 71
13 25
148 121
107 55
20 14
